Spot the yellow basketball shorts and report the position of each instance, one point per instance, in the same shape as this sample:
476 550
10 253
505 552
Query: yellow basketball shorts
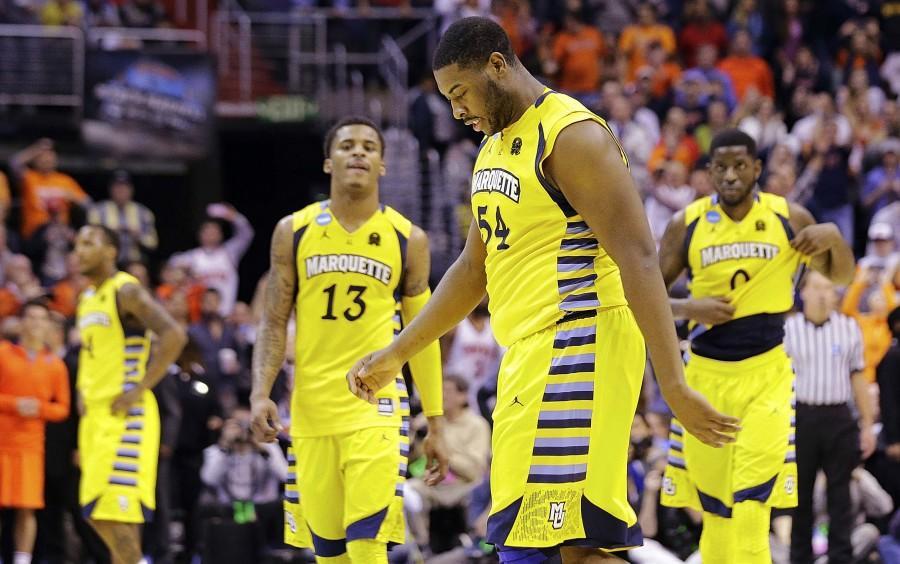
346 487
119 455
761 464
565 402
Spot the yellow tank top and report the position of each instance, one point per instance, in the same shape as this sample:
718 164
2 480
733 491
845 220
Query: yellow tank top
752 263
348 305
543 262
113 358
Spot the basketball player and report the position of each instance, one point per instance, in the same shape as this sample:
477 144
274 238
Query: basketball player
550 185
118 437
743 251
354 271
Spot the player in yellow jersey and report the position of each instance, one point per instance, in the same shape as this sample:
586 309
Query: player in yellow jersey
354 271
743 251
118 436
561 244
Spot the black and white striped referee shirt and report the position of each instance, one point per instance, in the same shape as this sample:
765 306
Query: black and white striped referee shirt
824 356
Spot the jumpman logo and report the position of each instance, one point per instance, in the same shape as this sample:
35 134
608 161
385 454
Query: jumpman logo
516 401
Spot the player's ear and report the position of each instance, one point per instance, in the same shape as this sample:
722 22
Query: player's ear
328 166
757 168
381 169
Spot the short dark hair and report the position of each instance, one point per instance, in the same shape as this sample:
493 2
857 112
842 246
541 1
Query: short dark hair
733 138
110 235
350 120
469 42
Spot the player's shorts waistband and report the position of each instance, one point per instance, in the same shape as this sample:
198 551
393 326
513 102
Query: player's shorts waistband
737 367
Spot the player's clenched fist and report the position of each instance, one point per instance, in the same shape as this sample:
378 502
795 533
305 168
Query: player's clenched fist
372 373
265 421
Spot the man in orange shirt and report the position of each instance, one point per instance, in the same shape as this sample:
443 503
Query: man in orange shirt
45 190
34 388
746 70
636 39
577 51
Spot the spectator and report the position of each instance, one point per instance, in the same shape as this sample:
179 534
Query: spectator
217 343
176 279
881 252
134 223
62 12
44 189
214 263
21 285
702 186
577 56
826 350
663 72
636 39
34 388
746 16
889 545
868 502
803 73
101 13
765 125
886 465
791 27
5 198
746 70
716 120
431 122
829 177
5 253
239 470
49 246
691 96
675 143
861 53
636 138
64 294
700 29
471 351
806 130
516 20
882 185
143 13
670 194
468 440
876 334
859 88
139 270
718 83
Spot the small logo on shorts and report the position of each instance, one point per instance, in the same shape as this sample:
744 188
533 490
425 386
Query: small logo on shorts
385 406
123 503
291 522
668 486
789 485
557 514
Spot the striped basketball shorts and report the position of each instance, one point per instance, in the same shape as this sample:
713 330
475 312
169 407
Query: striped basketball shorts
119 455
565 403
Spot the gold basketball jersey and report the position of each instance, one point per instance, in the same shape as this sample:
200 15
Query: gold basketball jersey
113 358
749 261
348 305
543 261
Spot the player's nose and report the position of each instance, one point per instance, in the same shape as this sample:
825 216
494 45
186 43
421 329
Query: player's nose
458 111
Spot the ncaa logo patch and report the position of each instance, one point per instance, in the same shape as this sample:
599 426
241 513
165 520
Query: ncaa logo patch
323 219
557 514
713 216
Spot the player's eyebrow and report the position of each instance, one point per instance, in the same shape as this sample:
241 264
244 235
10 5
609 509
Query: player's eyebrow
452 88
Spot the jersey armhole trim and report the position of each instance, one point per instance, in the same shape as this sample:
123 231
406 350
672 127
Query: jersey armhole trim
298 236
686 247
555 194
788 230
402 240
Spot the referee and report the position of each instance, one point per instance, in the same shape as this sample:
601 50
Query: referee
827 352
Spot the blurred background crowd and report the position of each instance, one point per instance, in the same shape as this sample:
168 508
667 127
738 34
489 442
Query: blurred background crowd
815 83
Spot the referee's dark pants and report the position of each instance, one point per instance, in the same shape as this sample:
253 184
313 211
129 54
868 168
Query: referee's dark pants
827 438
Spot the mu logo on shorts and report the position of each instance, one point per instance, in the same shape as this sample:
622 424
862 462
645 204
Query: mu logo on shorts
557 514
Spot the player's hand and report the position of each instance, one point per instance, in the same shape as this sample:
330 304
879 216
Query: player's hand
710 311
437 461
121 404
867 442
28 407
372 373
700 419
816 239
265 421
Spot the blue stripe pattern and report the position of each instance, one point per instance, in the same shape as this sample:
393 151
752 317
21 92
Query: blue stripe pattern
131 439
122 481
572 264
572 284
125 467
576 227
135 411
127 453
134 426
292 496
585 244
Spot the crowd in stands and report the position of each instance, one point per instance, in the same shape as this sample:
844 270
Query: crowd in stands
815 83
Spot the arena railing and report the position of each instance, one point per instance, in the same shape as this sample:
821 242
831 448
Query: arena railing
41 66
112 38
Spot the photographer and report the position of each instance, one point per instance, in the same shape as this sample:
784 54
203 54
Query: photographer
243 478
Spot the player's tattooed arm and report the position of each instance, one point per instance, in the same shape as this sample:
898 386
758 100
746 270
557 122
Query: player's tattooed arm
418 263
831 255
135 303
268 353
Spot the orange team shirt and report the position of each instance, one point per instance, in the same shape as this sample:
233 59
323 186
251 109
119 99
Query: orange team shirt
5 197
193 297
43 377
578 56
41 191
664 79
636 39
65 298
876 334
686 152
745 72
